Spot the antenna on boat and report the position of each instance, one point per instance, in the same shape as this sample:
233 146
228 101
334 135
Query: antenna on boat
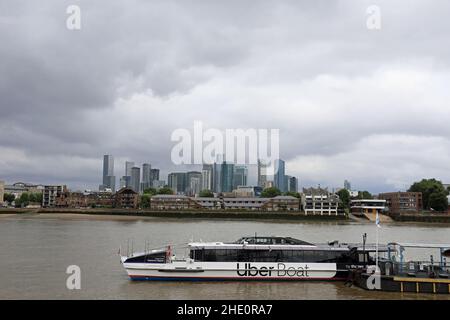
145 248
364 246
377 223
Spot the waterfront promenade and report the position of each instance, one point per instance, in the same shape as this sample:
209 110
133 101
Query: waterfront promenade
195 214
424 217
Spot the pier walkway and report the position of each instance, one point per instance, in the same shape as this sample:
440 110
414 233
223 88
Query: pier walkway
383 218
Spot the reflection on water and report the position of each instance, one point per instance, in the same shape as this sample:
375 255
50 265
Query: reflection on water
36 251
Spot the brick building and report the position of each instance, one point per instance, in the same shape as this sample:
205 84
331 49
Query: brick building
173 202
84 199
126 198
402 201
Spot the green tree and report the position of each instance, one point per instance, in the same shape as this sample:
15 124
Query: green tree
434 195
270 192
364 195
145 200
165 190
38 197
23 200
344 196
438 201
206 194
32 197
292 194
150 191
9 197
35 197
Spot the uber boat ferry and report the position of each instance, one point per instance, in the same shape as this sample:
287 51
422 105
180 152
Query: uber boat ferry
252 258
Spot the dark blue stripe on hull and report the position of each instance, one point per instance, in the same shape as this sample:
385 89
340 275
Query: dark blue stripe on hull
226 279
175 279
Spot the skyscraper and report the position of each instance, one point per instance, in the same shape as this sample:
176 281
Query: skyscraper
125 181
279 178
194 179
146 168
207 177
128 166
226 177
154 175
158 184
135 182
347 185
109 180
216 177
292 184
177 181
240 176
216 173
262 174
146 176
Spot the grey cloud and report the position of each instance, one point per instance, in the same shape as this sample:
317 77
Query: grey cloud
139 69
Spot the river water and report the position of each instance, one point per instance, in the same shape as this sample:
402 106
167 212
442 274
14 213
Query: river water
35 251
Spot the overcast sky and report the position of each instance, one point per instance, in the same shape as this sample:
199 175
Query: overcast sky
370 106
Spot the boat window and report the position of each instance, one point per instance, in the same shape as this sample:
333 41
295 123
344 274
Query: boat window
298 256
335 256
209 255
226 255
363 257
197 254
219 255
309 256
159 257
265 255
320 256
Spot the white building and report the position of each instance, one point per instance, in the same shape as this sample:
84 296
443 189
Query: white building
206 183
320 202
360 207
194 185
353 194
50 194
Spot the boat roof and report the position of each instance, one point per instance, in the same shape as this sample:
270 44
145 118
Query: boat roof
276 239
341 247
421 245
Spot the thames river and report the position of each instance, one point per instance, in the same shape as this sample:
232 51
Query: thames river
35 251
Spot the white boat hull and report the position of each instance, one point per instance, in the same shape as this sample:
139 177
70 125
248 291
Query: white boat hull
236 271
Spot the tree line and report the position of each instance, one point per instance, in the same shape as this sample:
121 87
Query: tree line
24 200
434 195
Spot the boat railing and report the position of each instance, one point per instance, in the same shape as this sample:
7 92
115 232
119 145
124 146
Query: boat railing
414 268
149 248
